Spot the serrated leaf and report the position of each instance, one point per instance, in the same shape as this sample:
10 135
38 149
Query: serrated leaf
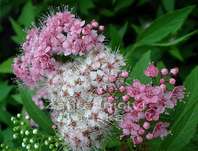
138 70
35 113
185 124
6 66
27 15
161 27
175 41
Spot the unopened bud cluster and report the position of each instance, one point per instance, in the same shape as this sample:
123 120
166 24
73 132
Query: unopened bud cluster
4 147
31 139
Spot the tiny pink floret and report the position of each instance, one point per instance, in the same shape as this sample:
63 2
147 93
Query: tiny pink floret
172 81
124 74
164 71
151 71
174 71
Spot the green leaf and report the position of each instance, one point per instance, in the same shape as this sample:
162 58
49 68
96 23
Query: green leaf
160 65
123 30
110 141
168 4
27 15
107 12
122 4
20 34
176 53
176 41
35 113
138 70
185 124
136 28
85 5
6 66
1 28
5 116
17 98
166 24
117 35
7 137
4 91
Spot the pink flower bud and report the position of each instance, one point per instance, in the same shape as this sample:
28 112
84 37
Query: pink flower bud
40 104
101 28
100 91
162 81
110 99
94 24
141 131
124 74
111 89
172 81
87 29
112 78
127 109
151 71
125 98
138 140
149 136
110 110
122 89
163 87
146 125
174 71
164 71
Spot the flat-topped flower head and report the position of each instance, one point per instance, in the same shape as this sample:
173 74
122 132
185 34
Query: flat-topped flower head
61 34
146 103
80 98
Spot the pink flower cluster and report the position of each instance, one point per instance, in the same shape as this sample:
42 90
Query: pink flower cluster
145 103
116 81
60 34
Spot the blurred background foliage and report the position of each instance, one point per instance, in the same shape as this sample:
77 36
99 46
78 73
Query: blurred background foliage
131 26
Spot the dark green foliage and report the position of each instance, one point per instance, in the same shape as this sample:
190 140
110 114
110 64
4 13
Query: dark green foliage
36 114
163 31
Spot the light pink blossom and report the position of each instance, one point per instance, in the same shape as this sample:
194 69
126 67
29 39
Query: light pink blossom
145 106
174 71
164 71
160 130
172 81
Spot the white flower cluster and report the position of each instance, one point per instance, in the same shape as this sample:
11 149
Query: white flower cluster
78 97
